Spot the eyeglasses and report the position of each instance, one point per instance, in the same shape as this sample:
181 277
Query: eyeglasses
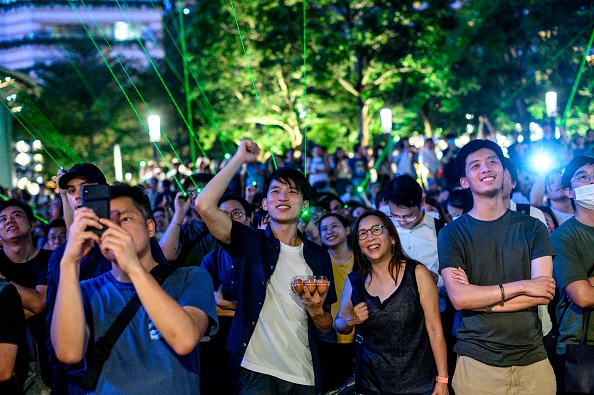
405 218
61 236
375 230
236 214
584 177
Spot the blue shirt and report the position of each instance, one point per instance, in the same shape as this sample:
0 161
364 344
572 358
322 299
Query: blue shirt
141 361
261 250
222 267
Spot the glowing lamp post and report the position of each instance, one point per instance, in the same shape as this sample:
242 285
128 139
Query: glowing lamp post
551 104
154 124
386 118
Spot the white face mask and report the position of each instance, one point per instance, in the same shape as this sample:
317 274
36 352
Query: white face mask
433 214
584 196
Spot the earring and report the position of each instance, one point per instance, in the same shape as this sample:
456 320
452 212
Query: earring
393 248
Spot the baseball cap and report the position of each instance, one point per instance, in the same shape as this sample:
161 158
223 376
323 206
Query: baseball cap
572 167
86 170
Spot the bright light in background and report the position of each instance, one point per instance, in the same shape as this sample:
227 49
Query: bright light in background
469 116
21 146
39 180
154 124
22 183
186 11
535 131
542 161
551 103
23 159
142 163
121 31
33 188
386 119
128 176
36 145
117 162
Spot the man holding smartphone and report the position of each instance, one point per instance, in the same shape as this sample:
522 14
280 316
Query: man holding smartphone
93 264
157 353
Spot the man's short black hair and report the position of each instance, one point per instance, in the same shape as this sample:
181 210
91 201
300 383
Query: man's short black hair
472 147
286 174
404 191
461 198
512 169
56 223
137 194
259 217
244 203
17 203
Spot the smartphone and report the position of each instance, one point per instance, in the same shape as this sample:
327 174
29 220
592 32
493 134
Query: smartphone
97 197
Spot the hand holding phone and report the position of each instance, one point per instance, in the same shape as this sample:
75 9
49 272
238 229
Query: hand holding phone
97 198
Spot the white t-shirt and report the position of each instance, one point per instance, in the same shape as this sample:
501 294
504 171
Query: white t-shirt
561 216
279 346
420 243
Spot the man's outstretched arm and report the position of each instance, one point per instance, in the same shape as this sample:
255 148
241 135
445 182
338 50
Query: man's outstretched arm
217 221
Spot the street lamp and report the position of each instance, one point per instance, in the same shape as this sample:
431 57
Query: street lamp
154 124
386 118
551 104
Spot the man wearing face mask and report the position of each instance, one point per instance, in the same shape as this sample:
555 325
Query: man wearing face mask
573 266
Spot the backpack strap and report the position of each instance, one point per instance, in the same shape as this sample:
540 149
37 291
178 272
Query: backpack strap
523 208
439 224
102 348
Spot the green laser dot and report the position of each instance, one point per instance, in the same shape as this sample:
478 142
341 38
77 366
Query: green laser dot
227 156
359 189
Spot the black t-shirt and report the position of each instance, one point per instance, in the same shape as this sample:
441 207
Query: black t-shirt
30 274
12 331
27 274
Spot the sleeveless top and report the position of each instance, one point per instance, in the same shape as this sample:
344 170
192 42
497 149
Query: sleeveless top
396 356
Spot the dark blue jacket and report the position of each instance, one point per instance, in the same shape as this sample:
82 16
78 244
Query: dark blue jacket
261 251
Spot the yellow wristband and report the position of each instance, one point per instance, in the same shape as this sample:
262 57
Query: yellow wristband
443 380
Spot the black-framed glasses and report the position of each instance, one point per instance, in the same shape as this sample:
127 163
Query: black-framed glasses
375 230
236 214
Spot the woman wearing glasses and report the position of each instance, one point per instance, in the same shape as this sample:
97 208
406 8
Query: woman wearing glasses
392 301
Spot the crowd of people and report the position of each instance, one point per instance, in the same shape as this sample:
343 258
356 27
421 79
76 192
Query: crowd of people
464 270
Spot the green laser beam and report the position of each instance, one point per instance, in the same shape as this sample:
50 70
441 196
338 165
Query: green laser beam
32 135
253 82
305 84
156 70
84 25
577 80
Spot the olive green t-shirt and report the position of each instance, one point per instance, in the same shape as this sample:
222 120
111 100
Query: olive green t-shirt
574 245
